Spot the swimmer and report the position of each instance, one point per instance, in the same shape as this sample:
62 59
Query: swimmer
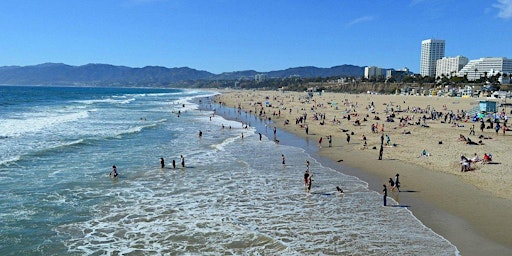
114 171
339 189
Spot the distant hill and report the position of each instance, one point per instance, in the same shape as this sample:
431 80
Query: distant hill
110 75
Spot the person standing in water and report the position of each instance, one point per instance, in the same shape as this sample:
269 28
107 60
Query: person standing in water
182 161
385 191
162 162
174 164
310 182
114 172
283 158
306 177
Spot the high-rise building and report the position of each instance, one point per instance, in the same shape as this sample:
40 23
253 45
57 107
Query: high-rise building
450 66
431 51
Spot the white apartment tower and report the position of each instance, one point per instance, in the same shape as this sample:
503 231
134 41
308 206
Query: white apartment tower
450 66
431 51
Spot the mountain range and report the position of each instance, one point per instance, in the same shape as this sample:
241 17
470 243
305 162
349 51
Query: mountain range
110 75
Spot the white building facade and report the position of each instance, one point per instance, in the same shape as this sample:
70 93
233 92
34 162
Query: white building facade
487 66
431 51
373 72
450 66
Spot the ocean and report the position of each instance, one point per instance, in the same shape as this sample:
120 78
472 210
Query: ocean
234 196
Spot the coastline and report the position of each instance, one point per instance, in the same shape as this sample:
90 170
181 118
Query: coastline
474 220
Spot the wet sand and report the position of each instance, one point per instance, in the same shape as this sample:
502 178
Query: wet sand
470 209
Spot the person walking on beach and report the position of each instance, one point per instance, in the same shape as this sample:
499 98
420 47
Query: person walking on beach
397 183
330 140
391 183
182 161
114 172
162 163
307 129
385 191
320 141
381 151
348 138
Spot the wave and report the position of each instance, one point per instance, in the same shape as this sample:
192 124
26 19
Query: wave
112 100
31 123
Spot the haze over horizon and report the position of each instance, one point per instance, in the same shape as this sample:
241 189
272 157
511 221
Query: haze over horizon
228 35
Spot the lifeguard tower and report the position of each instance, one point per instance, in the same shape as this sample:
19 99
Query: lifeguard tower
487 106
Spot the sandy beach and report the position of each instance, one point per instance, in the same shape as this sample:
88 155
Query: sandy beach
469 208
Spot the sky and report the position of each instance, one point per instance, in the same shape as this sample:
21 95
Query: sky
263 35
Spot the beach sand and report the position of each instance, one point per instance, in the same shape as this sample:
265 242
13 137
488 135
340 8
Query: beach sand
470 209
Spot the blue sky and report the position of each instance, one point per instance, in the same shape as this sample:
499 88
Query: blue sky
264 35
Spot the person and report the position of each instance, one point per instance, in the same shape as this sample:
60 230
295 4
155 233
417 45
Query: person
182 161
348 138
339 189
397 182
306 177
365 144
310 181
330 140
391 183
385 191
174 164
475 159
260 135
465 164
283 158
307 164
381 151
200 134
320 141
114 172
388 140
487 158
162 163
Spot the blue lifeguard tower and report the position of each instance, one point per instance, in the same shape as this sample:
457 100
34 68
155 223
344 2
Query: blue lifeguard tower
487 106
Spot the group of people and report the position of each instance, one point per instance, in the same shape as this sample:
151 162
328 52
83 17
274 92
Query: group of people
394 184
466 162
114 173
308 179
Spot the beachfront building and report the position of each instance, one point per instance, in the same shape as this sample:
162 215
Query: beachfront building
450 66
431 51
475 69
397 75
373 73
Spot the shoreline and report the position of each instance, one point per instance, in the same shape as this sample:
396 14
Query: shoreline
472 219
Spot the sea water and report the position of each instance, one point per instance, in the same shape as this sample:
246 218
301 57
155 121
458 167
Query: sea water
234 196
